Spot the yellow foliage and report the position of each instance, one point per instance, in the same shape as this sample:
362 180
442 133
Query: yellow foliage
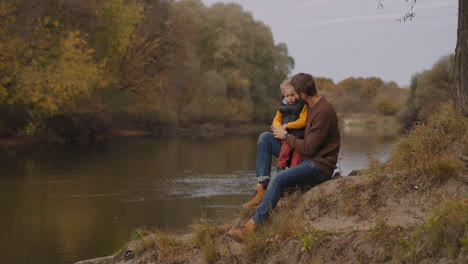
9 46
60 84
120 18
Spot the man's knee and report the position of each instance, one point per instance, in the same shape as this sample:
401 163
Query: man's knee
264 138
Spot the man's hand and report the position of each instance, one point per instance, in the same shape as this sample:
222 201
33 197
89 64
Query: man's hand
285 126
278 132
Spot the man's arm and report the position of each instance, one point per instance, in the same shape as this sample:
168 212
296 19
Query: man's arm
317 136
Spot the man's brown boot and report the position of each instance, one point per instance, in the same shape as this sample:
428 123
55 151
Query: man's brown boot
258 197
239 234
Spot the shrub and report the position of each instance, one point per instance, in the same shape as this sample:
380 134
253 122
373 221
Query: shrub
385 106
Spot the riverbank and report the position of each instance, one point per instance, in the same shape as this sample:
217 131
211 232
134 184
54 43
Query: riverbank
345 220
410 209
195 131
358 119
324 225
118 130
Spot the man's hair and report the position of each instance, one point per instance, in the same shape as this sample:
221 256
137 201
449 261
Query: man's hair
284 84
304 83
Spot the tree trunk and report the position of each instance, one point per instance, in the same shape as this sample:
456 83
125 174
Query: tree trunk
460 92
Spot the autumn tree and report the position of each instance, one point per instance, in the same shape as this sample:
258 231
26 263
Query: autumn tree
147 62
9 48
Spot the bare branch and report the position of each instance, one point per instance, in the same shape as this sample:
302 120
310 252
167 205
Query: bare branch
410 14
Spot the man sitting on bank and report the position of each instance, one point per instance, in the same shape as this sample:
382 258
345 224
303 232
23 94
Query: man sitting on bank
320 148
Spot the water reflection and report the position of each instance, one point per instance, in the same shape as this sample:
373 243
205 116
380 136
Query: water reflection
361 143
64 203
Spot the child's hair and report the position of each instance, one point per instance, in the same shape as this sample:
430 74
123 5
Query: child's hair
284 84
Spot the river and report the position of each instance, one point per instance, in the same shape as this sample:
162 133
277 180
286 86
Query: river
62 203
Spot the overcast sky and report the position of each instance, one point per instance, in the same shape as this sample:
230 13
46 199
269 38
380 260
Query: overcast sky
343 38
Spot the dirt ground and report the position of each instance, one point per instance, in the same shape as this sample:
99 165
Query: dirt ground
351 228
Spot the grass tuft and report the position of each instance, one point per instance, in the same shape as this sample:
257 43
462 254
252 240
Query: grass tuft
313 240
166 243
206 237
281 227
145 244
256 247
140 233
284 226
444 234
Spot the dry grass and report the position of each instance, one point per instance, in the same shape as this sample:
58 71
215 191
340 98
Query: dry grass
283 225
256 245
365 198
445 234
207 239
321 202
350 209
166 243
425 157
145 244
381 231
427 151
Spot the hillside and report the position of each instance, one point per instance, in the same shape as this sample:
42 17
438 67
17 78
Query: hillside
411 209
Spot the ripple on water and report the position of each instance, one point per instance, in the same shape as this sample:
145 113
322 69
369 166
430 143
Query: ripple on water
196 185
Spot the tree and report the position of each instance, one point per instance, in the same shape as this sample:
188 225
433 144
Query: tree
434 87
460 90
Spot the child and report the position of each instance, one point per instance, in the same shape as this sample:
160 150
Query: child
292 116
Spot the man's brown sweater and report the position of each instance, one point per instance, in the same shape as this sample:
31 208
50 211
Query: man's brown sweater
322 140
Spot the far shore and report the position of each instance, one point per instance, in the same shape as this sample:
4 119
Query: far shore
194 131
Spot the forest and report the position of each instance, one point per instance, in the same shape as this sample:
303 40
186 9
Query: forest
83 68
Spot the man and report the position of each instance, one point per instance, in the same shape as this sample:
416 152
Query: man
320 148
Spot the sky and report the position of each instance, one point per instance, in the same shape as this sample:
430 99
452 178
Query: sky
338 39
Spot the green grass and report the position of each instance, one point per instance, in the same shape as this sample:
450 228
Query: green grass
140 232
314 239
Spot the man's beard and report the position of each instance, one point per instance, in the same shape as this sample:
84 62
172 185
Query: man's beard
301 100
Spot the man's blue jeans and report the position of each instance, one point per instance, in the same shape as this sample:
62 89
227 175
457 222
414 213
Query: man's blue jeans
304 173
